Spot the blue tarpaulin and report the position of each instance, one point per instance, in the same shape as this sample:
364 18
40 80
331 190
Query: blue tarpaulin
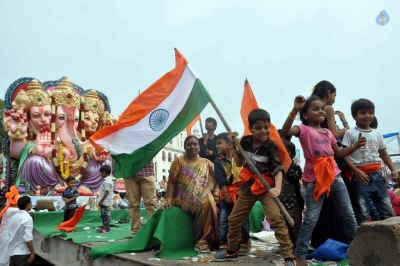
389 135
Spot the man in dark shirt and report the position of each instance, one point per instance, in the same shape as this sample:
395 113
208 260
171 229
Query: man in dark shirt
141 185
208 143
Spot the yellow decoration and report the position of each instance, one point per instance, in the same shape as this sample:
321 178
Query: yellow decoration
55 162
37 97
65 94
93 103
66 172
313 89
21 101
18 134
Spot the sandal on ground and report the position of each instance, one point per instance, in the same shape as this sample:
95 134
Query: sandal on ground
123 221
202 248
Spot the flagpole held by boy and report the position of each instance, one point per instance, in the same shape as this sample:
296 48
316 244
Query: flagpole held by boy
285 214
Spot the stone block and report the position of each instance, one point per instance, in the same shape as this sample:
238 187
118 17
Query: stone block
376 244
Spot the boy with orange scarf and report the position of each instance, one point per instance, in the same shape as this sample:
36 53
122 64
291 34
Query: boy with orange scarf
265 155
367 182
227 175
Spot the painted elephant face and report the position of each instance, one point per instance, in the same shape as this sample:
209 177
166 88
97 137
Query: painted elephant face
67 120
67 117
91 122
39 117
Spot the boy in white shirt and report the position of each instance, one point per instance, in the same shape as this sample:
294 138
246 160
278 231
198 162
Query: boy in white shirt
105 196
367 183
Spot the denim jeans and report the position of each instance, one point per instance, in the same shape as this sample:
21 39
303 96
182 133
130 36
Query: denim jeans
105 215
342 203
375 191
226 210
373 213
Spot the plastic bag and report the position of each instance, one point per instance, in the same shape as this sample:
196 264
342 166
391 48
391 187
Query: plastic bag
266 226
330 250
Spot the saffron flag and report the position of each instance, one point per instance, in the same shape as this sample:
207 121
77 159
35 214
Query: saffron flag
249 103
153 118
70 225
189 127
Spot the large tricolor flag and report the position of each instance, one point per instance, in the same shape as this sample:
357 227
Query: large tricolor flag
249 103
153 118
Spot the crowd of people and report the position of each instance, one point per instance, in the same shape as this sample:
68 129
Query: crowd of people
214 182
342 166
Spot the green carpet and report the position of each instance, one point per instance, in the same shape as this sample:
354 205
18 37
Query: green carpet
256 217
172 230
46 223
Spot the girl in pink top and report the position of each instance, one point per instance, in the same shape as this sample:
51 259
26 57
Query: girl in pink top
321 174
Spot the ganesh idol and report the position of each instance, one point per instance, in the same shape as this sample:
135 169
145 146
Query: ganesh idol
60 151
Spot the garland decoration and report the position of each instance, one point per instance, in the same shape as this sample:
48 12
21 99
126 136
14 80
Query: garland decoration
62 172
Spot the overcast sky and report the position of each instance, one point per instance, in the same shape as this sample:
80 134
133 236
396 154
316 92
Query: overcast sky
283 47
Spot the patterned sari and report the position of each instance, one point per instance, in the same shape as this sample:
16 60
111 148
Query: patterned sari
193 193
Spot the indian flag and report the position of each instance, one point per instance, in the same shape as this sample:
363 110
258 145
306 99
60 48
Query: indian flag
153 118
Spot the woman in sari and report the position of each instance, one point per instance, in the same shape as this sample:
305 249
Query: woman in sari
192 187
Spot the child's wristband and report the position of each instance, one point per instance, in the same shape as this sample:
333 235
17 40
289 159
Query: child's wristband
292 115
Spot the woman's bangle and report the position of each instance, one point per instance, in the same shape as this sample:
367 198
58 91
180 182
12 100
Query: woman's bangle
344 123
352 145
168 200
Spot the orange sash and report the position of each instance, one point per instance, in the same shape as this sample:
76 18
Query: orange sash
368 168
324 173
233 191
257 188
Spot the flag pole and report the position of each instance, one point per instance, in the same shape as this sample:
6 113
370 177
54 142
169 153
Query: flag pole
254 168
201 128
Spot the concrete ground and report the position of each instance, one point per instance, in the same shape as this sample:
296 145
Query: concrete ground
261 254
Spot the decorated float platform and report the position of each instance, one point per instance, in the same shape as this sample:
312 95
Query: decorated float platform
166 239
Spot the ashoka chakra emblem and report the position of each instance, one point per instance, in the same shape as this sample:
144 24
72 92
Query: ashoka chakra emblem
158 119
